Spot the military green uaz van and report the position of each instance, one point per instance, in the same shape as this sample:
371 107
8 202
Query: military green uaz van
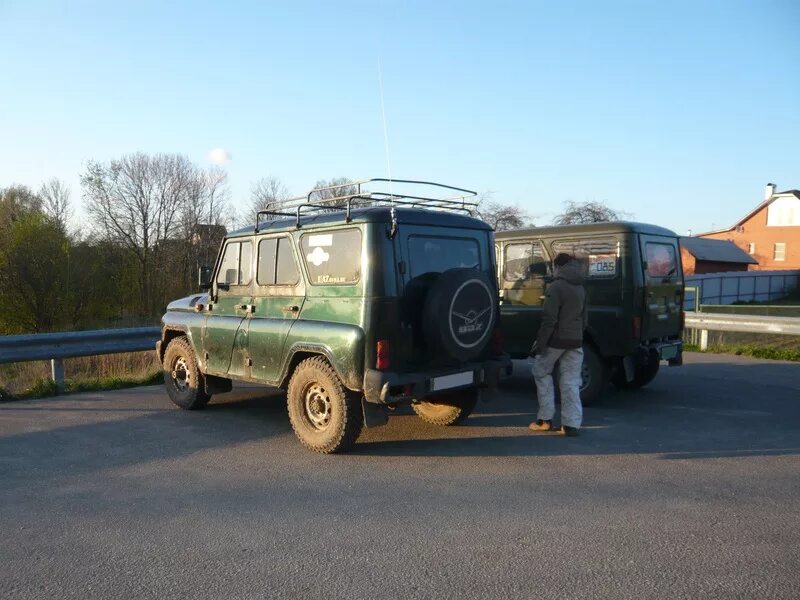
354 304
634 286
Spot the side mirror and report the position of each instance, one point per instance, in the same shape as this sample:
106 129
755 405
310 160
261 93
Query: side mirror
204 278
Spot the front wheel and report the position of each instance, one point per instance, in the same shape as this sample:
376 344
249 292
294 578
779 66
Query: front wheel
325 416
451 408
182 377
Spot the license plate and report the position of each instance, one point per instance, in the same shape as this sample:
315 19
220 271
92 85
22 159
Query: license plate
668 352
450 381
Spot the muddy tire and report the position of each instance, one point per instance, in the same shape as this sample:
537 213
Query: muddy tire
184 382
325 416
451 408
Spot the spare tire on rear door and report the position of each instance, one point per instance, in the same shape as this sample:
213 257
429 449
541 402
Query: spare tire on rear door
459 313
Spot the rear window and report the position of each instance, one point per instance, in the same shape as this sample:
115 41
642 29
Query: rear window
332 258
661 259
429 254
600 255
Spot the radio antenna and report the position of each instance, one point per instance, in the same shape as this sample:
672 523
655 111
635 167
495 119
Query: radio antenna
386 149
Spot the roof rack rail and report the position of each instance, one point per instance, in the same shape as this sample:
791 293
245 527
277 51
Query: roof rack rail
355 194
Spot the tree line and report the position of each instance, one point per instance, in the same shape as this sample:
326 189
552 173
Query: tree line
149 221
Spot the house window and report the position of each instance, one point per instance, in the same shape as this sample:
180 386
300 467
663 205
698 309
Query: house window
752 248
780 251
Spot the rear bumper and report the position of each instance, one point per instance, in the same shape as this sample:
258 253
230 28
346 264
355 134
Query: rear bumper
385 387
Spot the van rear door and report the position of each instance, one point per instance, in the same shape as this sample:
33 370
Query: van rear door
663 286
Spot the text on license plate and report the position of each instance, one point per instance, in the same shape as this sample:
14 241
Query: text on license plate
450 381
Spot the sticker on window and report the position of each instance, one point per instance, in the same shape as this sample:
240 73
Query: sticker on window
318 256
602 265
332 258
320 240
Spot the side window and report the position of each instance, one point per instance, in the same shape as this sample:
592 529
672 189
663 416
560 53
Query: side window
286 272
236 265
661 259
332 258
267 253
246 263
600 255
523 261
276 262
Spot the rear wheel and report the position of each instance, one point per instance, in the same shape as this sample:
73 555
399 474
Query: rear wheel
594 376
451 408
325 416
184 382
642 375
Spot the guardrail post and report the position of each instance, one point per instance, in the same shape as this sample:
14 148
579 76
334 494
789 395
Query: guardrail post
57 373
704 339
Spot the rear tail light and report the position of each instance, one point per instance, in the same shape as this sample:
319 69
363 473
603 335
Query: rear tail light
497 341
637 327
382 352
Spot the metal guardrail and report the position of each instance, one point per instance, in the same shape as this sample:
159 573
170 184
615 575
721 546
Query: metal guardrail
55 347
706 322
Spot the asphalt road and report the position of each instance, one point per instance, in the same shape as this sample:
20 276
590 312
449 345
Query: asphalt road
689 488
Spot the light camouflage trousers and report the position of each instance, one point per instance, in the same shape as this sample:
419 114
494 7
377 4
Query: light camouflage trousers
569 383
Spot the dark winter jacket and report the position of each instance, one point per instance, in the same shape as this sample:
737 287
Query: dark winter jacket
566 311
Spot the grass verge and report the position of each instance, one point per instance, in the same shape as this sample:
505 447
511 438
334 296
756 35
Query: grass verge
756 351
92 373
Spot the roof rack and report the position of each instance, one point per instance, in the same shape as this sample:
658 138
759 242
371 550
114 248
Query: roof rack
355 194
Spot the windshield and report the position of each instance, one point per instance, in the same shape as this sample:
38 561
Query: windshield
429 254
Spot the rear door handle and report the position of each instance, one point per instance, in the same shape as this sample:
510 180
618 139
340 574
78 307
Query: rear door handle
248 308
292 308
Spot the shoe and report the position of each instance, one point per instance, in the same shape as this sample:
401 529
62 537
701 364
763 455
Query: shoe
540 425
569 431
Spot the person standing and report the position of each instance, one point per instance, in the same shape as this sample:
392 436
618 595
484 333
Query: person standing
560 342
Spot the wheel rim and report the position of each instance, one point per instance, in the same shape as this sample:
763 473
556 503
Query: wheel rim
586 376
181 376
317 406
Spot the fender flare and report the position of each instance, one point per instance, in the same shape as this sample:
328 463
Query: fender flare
169 332
350 380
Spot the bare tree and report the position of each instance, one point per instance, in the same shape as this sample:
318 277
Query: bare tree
143 202
587 212
266 192
333 188
502 217
55 202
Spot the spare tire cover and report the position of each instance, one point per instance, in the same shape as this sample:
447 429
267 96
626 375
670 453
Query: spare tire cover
460 312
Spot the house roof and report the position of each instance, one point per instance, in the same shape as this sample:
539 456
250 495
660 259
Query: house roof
716 250
754 211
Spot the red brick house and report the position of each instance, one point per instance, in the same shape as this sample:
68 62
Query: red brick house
770 233
702 255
